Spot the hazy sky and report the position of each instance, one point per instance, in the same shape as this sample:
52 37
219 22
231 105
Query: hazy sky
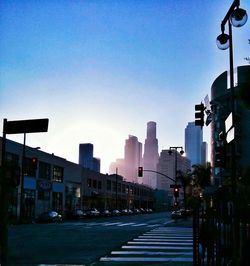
101 69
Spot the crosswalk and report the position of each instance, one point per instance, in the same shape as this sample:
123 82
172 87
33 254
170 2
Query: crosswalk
161 244
108 224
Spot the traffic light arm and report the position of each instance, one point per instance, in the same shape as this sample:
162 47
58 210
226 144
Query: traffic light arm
159 174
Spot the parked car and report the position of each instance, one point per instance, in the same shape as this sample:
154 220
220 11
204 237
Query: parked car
75 214
115 212
49 217
93 213
105 213
130 211
136 211
178 214
124 212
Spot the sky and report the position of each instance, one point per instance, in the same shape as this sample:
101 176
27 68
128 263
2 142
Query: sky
101 69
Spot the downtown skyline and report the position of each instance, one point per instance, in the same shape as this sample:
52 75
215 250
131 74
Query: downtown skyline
100 70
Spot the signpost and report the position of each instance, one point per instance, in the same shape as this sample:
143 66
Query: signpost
14 127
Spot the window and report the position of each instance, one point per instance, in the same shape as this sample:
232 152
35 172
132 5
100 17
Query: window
113 186
28 167
43 195
44 170
57 201
109 185
12 158
57 173
99 184
89 182
94 184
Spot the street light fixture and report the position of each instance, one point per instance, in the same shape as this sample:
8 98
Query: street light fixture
237 17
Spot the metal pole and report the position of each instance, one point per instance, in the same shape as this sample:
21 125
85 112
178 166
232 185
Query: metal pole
116 188
4 204
21 216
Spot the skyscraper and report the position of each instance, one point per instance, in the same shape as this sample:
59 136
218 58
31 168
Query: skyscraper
86 158
132 158
151 155
193 143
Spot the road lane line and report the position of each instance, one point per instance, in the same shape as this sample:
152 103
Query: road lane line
138 259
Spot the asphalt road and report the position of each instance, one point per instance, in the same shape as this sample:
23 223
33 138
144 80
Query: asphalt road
76 242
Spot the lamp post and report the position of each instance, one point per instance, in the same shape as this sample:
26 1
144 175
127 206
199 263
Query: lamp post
237 17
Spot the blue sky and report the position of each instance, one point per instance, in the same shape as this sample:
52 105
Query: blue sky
100 70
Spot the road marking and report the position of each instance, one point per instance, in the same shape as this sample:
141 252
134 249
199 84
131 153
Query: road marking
109 224
157 243
166 237
157 247
125 224
163 240
150 253
135 259
135 225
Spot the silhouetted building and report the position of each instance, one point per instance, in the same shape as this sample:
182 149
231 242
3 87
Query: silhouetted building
86 158
151 155
220 142
193 143
132 158
204 151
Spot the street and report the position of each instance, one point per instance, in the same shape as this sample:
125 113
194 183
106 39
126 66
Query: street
77 242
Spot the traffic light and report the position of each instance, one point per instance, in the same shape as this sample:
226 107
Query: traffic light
176 192
219 156
34 163
199 114
140 171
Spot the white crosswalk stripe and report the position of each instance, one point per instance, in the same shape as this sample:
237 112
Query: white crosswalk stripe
161 244
107 224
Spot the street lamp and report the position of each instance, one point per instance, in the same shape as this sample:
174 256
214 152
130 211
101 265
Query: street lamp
236 17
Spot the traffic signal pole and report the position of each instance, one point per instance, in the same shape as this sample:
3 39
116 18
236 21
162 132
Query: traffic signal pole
21 215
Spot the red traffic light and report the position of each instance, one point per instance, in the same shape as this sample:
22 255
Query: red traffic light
176 192
140 171
34 163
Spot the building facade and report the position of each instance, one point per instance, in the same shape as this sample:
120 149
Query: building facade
169 163
193 143
86 158
150 156
222 140
60 185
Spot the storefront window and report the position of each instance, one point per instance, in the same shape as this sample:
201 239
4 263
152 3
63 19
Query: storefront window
57 201
29 203
44 170
57 173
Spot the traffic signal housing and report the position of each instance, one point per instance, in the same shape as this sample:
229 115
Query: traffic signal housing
199 114
140 171
176 192
34 162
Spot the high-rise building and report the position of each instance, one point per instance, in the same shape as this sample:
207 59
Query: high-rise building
132 158
86 158
204 153
151 155
166 166
193 143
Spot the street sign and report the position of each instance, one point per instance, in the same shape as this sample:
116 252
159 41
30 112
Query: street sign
229 122
26 126
230 135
